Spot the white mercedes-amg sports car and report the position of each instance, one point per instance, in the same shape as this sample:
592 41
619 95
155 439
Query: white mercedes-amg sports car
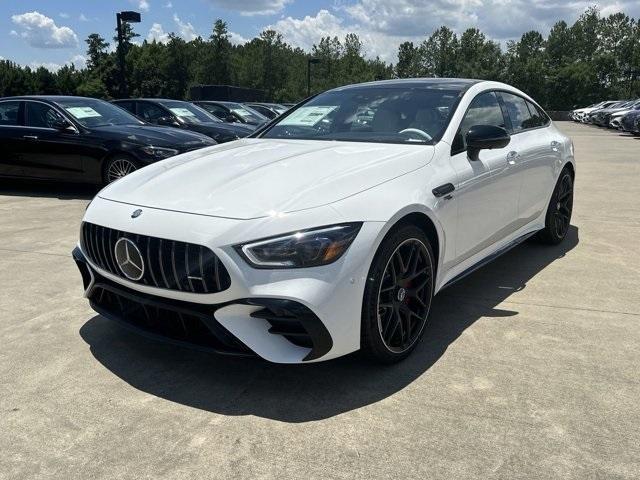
330 229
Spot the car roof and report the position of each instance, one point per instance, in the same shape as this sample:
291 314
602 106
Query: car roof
159 100
455 83
49 98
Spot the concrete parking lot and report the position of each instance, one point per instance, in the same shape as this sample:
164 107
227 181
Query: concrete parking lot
529 367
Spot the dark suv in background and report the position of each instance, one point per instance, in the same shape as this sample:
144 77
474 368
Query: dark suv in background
81 139
184 115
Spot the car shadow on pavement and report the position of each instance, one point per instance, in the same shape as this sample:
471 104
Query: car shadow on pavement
302 393
40 188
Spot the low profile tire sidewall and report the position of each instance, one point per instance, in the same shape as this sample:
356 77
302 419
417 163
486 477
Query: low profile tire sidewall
551 232
372 344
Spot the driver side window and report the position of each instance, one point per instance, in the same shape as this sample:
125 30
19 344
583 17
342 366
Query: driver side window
150 112
483 110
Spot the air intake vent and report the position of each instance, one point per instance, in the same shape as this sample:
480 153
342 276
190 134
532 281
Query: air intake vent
166 264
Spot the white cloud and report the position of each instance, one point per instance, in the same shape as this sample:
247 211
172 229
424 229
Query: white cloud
83 18
168 5
13 33
52 67
79 61
63 15
306 32
498 19
42 32
253 7
157 33
185 29
143 5
237 39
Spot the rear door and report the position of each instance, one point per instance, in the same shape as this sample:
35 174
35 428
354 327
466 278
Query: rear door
538 150
11 132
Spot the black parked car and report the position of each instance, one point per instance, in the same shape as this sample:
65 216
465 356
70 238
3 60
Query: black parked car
185 115
233 112
81 139
269 110
631 122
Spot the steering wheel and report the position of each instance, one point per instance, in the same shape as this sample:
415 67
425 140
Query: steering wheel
418 132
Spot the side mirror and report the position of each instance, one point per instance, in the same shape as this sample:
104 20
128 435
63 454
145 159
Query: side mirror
485 137
167 122
61 124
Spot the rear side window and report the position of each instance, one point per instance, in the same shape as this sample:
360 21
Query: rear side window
128 106
9 113
538 117
483 110
518 111
41 115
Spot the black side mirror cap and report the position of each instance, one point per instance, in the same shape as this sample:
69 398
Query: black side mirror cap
485 137
62 124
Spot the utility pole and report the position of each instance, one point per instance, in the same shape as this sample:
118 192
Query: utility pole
121 18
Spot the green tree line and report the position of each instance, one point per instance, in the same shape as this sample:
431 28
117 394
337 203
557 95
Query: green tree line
595 58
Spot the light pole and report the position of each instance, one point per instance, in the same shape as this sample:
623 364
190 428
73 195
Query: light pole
309 62
129 17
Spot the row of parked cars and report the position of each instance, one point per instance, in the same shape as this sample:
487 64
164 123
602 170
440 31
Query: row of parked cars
619 114
80 139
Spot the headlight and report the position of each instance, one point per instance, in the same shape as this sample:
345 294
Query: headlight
306 248
159 152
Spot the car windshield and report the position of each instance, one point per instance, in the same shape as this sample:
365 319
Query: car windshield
385 114
91 112
190 113
246 113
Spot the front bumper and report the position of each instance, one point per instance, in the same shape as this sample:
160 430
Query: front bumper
284 316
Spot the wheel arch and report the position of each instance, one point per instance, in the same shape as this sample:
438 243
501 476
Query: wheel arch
424 219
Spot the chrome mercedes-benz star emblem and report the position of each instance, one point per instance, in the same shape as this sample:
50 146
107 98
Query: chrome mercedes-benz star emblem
129 259
136 213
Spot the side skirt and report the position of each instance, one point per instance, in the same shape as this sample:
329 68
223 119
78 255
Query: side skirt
488 259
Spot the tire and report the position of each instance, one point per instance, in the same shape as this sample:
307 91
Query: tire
117 167
559 211
395 309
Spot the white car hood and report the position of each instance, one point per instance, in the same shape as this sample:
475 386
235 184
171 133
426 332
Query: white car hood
253 178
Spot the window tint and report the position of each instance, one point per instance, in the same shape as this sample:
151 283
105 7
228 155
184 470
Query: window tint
41 115
518 111
483 110
150 112
538 117
9 113
216 110
128 106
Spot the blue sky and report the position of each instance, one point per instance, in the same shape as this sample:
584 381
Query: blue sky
52 33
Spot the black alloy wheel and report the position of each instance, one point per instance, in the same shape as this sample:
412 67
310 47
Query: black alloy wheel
559 211
398 296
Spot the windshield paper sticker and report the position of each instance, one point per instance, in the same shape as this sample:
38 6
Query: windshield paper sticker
83 112
307 116
182 112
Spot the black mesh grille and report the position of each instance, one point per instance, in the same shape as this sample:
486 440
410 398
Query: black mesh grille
168 264
174 322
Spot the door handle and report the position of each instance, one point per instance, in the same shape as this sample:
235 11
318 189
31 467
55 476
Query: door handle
513 157
555 146
30 137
